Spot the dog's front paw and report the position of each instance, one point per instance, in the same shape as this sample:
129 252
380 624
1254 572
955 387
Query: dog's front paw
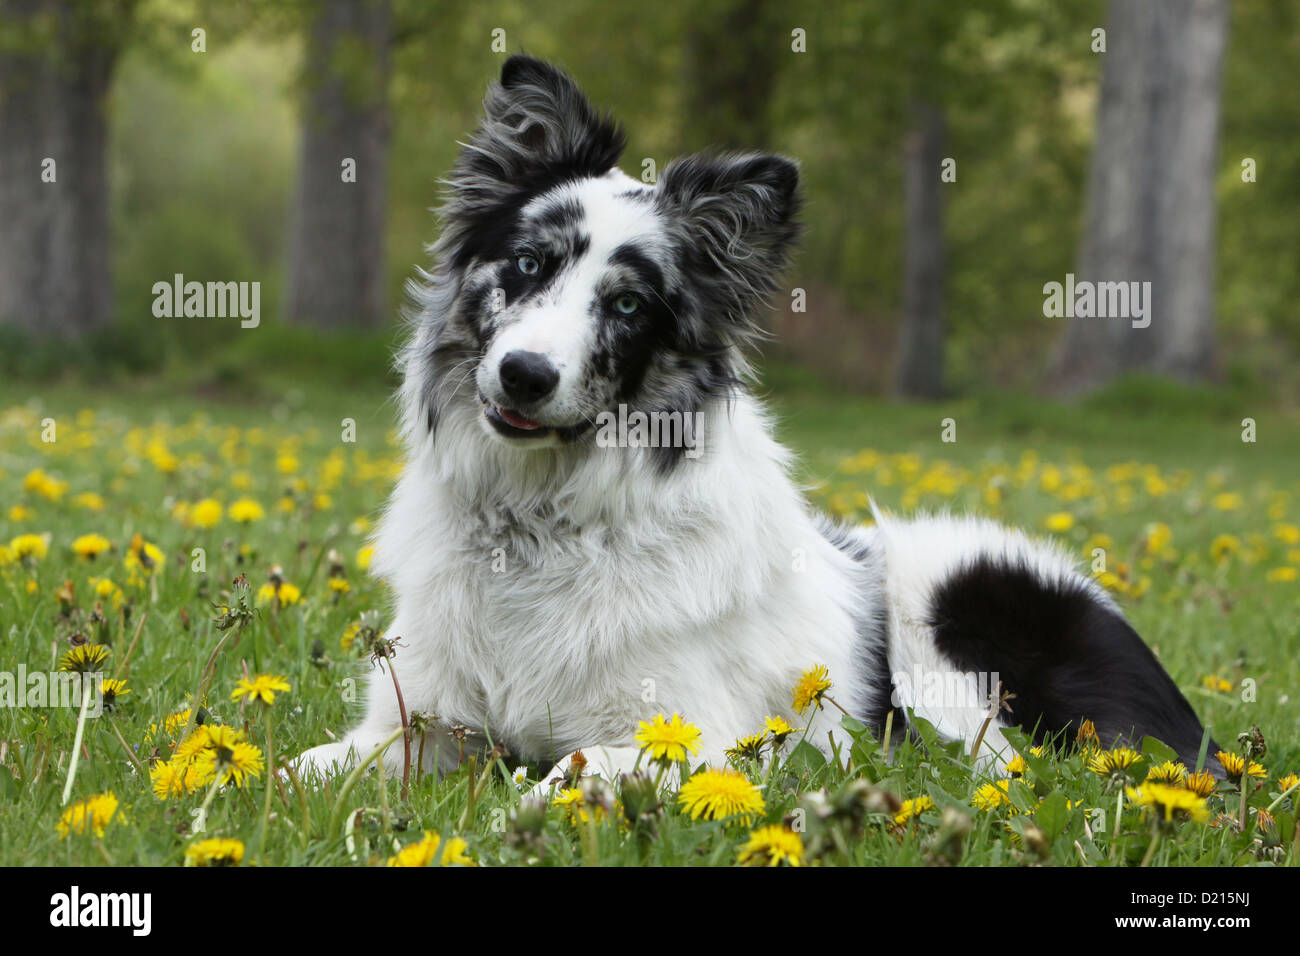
325 761
607 762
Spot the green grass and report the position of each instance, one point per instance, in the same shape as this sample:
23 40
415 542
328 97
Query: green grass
157 443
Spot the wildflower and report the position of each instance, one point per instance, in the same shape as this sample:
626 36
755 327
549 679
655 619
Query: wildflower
576 808
262 687
1236 767
748 748
206 513
1171 773
1224 546
281 593
991 796
778 730
425 852
1201 783
246 511
364 556
812 687
1216 683
19 513
1087 735
112 690
1112 763
774 845
1059 522
1016 766
720 794
1281 575
143 555
34 546
217 751
215 853
912 808
1287 782
519 777
167 779
84 658
1226 501
1170 803
1158 537
1287 533
89 500
90 815
668 741
91 546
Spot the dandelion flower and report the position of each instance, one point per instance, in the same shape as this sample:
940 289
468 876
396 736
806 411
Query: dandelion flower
1170 772
748 748
1170 803
1236 767
991 796
113 690
91 546
777 729
215 853
425 852
812 687
1201 783
774 845
34 546
721 794
84 658
246 511
90 815
912 808
668 740
1059 522
206 513
263 687
1109 763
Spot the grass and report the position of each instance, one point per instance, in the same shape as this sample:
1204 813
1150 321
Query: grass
1198 529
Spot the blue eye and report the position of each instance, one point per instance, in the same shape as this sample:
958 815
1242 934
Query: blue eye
528 265
626 304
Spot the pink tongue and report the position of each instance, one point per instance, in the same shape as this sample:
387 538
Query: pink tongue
517 420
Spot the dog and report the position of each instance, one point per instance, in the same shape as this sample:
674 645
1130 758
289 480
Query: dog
552 591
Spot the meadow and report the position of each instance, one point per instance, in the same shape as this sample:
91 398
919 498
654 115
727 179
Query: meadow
128 513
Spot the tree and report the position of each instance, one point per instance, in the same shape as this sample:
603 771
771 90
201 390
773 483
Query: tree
56 62
337 223
1150 202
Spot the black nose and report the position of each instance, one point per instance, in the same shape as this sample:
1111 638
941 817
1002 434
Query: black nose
528 377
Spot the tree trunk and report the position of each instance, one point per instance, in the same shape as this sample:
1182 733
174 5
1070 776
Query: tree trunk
1151 205
55 272
336 245
920 354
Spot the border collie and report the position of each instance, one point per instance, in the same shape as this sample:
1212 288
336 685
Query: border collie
551 591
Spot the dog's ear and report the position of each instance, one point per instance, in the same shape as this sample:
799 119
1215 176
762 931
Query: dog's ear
538 129
736 219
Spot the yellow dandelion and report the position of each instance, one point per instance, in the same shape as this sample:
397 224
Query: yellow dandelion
91 546
1108 763
364 556
1060 522
263 687
205 513
33 546
1286 783
991 796
88 500
1201 783
774 845
215 852
668 740
1281 575
812 687
1169 803
425 853
84 658
1224 546
1216 683
748 748
1170 773
91 815
1236 766
912 808
246 511
720 795
286 594
113 690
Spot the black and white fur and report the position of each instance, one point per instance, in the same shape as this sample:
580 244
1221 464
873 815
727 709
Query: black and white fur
552 593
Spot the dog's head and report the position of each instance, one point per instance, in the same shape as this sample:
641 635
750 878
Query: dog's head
566 288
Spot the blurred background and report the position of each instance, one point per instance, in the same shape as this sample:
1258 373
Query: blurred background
1138 140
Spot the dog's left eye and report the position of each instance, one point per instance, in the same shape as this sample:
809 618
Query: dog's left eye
626 304
528 265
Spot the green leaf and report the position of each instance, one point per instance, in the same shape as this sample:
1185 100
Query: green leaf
1053 814
1158 752
805 757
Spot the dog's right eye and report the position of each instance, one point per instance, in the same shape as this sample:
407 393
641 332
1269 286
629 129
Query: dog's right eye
528 265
